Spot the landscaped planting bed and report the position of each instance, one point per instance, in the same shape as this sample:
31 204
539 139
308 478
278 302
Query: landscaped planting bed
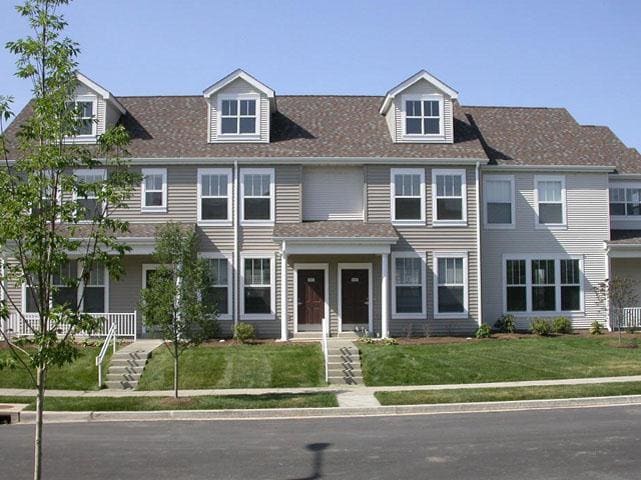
525 357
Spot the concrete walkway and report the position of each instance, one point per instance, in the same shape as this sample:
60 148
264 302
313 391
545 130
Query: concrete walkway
351 395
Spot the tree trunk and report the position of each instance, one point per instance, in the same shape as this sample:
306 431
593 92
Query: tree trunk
175 373
40 398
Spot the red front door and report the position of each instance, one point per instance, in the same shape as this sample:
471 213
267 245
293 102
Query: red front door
311 299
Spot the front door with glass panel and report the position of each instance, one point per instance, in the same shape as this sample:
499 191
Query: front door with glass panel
354 299
311 300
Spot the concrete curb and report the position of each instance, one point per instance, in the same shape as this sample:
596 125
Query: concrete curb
301 413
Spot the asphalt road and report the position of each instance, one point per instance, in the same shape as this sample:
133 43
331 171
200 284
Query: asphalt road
591 443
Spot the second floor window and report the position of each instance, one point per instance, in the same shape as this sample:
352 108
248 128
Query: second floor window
499 201
154 190
257 189
408 195
550 203
625 201
238 116
449 197
88 204
214 188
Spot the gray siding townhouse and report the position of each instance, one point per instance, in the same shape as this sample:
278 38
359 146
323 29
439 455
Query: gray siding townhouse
401 214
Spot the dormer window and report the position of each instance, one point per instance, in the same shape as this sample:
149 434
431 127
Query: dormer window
238 116
85 110
423 115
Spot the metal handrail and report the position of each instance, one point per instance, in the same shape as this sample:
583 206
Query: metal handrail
111 336
325 349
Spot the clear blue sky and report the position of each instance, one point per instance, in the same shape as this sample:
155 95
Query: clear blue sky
582 55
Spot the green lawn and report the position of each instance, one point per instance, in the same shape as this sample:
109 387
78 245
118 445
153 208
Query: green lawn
494 360
95 404
237 366
506 394
82 374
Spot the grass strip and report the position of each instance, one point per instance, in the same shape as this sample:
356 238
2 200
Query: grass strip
221 402
469 395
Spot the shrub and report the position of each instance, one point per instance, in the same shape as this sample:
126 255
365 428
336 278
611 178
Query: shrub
484 331
244 332
540 326
505 324
562 325
596 328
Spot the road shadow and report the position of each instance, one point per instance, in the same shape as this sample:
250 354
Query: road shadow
317 450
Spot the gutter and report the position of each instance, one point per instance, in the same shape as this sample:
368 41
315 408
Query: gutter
555 168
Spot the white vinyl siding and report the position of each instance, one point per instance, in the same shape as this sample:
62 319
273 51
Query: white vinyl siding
333 193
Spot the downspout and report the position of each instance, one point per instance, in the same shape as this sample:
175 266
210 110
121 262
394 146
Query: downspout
478 244
608 268
236 248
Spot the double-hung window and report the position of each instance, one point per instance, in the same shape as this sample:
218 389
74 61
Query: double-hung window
451 284
258 293
448 192
64 281
617 201
238 116
154 190
217 294
85 110
214 189
94 290
408 195
499 201
543 284
625 201
89 206
257 192
550 200
423 116
408 273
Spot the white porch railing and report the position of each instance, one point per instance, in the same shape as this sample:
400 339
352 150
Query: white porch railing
325 328
631 317
111 337
125 325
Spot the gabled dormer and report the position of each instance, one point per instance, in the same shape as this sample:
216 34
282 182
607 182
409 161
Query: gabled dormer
419 110
239 109
98 109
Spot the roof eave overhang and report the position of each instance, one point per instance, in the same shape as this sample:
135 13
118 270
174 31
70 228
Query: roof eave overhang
313 160
239 73
102 91
555 168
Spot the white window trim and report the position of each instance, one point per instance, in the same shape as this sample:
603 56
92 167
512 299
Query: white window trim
626 187
449 223
154 171
87 138
407 171
219 114
230 272
271 256
272 195
89 171
421 98
422 315
214 171
499 226
528 284
550 178
466 307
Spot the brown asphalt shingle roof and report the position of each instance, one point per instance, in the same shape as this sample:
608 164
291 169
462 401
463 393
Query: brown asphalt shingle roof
334 229
625 237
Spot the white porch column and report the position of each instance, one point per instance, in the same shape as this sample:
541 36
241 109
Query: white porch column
283 295
385 295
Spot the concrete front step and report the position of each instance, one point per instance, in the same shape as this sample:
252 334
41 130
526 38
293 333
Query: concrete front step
124 376
121 384
126 369
128 364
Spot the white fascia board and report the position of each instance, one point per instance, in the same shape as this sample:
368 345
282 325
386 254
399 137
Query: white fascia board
422 75
548 168
316 161
239 73
100 90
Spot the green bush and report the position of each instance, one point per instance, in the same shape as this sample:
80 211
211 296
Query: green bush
244 332
562 325
540 326
505 324
484 331
596 328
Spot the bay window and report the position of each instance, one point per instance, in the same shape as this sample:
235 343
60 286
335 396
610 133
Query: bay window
451 284
408 274
408 195
214 189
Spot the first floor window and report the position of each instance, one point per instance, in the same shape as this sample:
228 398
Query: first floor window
257 286
216 293
449 195
65 292
257 194
570 285
94 290
408 278
154 189
214 188
516 285
543 285
408 194
451 285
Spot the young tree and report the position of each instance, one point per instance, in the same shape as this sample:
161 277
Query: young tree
615 294
172 304
50 220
